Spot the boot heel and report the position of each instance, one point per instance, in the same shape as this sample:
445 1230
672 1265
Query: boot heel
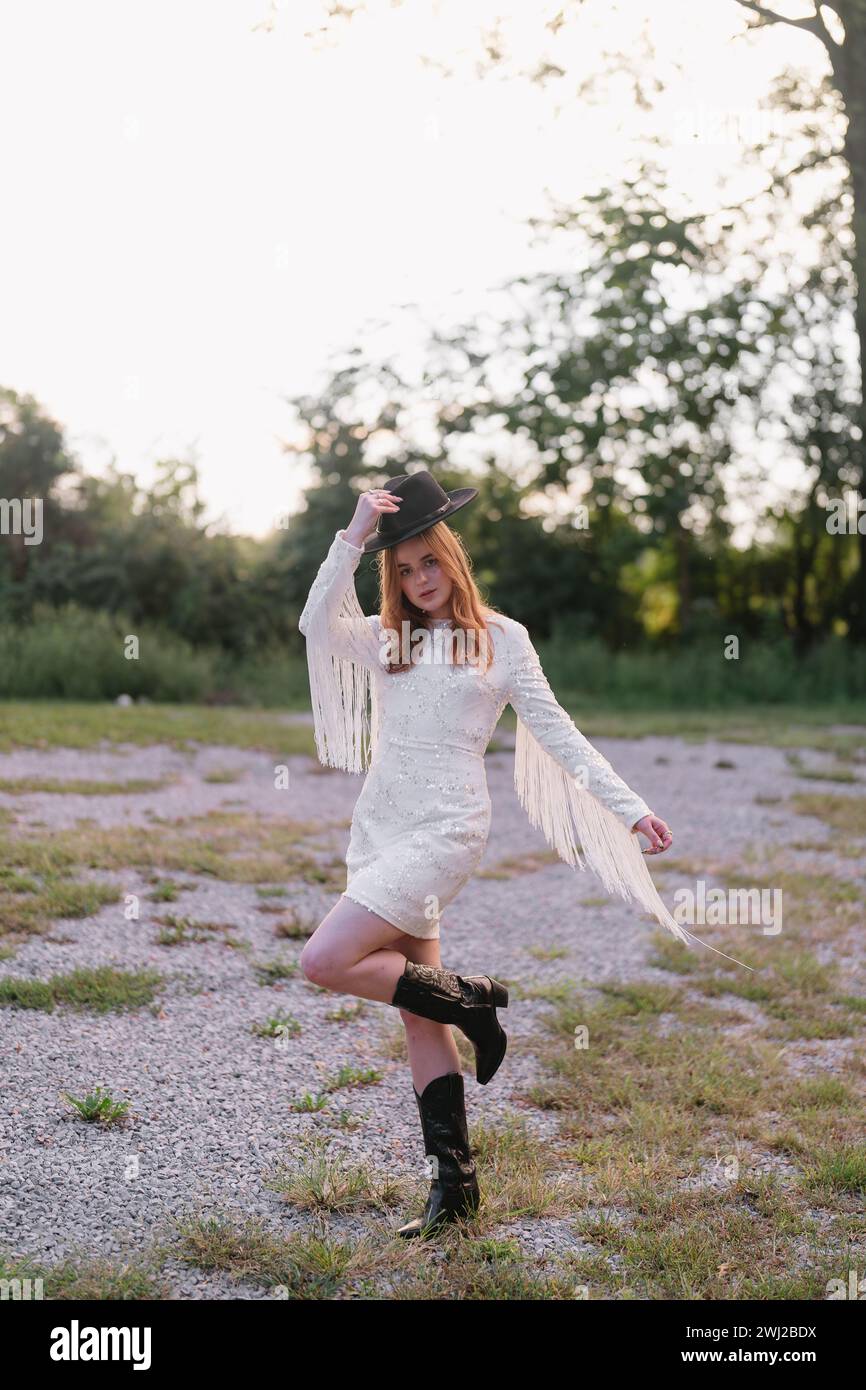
500 995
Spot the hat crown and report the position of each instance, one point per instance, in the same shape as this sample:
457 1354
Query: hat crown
421 487
423 502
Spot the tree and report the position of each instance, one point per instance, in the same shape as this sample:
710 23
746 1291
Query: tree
840 28
33 460
628 377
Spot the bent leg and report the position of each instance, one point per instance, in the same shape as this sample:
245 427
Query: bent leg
354 951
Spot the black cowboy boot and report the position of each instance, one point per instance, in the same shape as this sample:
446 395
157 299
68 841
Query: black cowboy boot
468 1001
454 1188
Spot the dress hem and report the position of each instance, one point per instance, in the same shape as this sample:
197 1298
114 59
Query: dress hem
429 936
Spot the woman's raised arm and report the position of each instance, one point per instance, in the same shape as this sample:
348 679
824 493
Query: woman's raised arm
343 646
332 614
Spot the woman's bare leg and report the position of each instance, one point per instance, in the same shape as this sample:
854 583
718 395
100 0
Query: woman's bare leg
355 951
431 1046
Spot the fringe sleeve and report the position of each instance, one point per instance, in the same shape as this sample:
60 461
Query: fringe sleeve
342 654
570 791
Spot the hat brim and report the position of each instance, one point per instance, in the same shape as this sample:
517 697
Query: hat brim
459 497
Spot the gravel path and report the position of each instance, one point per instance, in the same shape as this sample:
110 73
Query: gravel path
210 1098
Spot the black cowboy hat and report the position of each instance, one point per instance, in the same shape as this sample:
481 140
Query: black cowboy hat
424 503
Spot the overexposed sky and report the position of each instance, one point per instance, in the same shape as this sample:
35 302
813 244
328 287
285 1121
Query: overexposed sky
198 211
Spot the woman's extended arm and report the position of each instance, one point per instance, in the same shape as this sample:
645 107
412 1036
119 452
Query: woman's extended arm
536 705
572 794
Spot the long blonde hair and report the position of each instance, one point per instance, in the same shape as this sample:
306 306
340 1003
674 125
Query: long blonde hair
466 602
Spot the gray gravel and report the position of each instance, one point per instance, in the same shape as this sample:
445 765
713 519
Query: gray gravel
210 1100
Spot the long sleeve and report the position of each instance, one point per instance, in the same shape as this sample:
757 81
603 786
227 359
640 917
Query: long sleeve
332 605
570 791
342 650
536 705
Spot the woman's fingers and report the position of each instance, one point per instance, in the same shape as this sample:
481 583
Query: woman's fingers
384 501
371 504
659 835
654 839
663 836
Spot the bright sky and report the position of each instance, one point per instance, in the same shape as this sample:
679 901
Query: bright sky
199 211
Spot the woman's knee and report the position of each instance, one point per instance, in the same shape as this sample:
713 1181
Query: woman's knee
318 965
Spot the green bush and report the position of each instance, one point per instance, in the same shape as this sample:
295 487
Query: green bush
73 653
698 674
76 654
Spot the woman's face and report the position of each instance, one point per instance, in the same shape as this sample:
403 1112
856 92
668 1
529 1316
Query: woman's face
423 581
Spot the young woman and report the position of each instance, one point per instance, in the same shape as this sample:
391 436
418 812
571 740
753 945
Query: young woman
414 694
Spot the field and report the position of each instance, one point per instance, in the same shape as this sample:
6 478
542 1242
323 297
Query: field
667 1124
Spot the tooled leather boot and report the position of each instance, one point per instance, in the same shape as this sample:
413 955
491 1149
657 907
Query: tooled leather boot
468 1001
454 1188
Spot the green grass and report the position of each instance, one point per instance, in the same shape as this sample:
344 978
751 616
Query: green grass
24 786
304 1265
37 883
320 1182
710 1245
166 890
182 931
844 813
699 1153
100 989
31 900
829 774
279 1025
773 726
308 1103
680 1074
347 1013
353 1076
50 724
98 1107
272 972
515 865
84 1278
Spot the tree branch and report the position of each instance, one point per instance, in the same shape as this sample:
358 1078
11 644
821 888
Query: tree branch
813 23
809 162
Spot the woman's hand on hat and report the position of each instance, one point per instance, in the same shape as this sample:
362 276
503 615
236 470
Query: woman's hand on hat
370 506
657 832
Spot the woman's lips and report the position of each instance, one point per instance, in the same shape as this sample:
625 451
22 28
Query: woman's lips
428 593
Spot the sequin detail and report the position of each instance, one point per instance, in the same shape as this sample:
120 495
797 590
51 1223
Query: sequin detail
421 822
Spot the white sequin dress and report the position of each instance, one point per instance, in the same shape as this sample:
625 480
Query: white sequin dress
421 822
